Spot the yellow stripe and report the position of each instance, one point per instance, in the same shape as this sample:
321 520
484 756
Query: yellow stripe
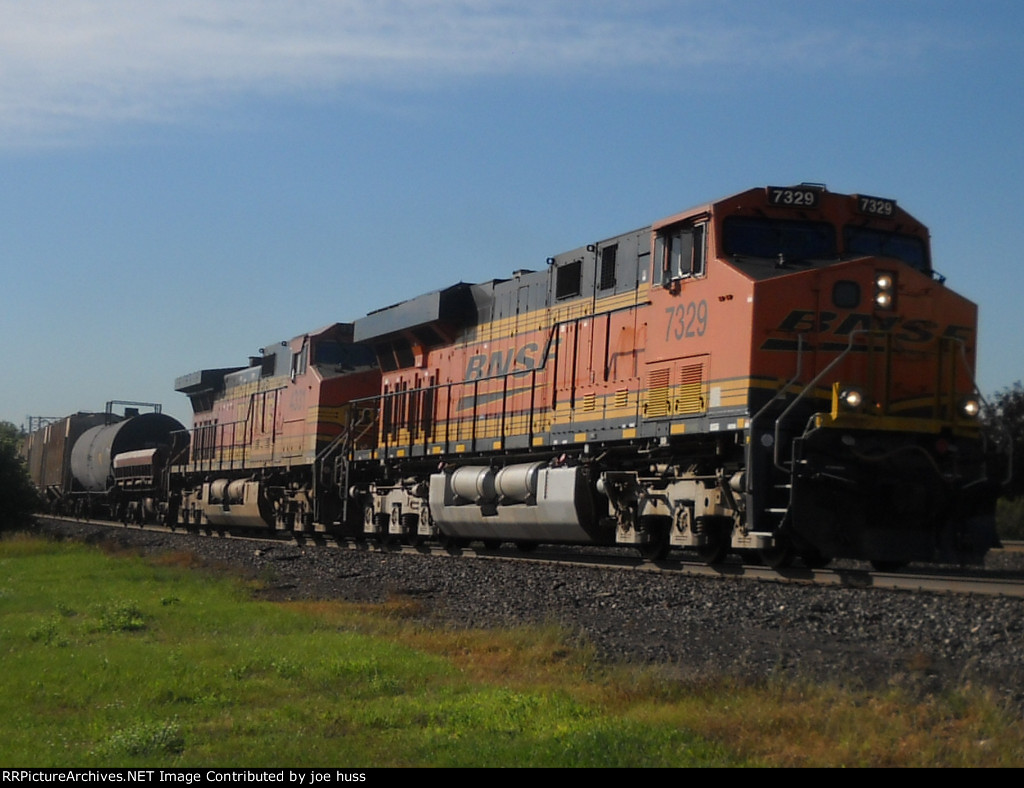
544 319
867 421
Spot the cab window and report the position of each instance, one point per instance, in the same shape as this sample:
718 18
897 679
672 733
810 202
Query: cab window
878 243
779 239
680 252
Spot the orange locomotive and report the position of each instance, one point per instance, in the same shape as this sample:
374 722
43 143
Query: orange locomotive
780 371
267 439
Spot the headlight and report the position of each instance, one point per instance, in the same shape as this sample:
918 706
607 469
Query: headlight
970 407
851 398
885 290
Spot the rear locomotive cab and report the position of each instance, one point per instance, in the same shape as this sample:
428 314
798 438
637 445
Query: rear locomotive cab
270 441
864 440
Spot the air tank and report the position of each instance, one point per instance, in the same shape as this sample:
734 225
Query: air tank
93 453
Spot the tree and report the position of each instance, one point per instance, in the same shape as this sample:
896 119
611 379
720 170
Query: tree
10 434
1004 421
18 499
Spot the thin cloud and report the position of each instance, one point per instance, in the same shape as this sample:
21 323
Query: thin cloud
70 67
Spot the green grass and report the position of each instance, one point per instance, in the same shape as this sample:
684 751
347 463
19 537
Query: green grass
118 661
114 661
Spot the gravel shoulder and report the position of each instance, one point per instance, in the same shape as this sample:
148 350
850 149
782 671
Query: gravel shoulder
692 627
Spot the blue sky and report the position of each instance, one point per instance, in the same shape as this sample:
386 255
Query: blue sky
186 181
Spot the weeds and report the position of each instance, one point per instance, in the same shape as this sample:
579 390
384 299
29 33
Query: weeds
121 617
143 739
48 632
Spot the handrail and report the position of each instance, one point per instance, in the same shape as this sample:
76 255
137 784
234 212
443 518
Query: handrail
810 387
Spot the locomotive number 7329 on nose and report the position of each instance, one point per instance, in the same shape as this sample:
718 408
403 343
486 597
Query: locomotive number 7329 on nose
687 320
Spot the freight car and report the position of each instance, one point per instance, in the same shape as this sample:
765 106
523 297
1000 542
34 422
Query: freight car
106 464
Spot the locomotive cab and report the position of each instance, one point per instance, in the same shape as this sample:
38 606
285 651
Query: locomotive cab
865 442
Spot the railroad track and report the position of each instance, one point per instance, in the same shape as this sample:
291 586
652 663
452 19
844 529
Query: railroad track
847 574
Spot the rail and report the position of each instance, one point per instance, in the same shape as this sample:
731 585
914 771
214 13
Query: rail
998 583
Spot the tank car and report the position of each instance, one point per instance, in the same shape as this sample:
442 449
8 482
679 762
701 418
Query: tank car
269 439
106 464
780 372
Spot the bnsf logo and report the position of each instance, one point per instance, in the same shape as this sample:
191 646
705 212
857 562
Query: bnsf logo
802 321
518 361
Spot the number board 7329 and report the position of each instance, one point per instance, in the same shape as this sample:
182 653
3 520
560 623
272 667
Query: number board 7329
793 196
875 206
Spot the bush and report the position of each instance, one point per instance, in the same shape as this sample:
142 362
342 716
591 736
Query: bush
18 499
1005 422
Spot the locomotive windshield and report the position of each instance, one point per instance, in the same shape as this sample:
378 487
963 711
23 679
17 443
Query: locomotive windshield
751 236
793 241
877 243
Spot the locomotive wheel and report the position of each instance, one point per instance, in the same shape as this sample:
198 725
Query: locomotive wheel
888 566
779 556
814 560
452 544
657 529
712 552
718 532
410 529
654 550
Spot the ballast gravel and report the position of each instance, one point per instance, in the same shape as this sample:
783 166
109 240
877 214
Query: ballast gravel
693 627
